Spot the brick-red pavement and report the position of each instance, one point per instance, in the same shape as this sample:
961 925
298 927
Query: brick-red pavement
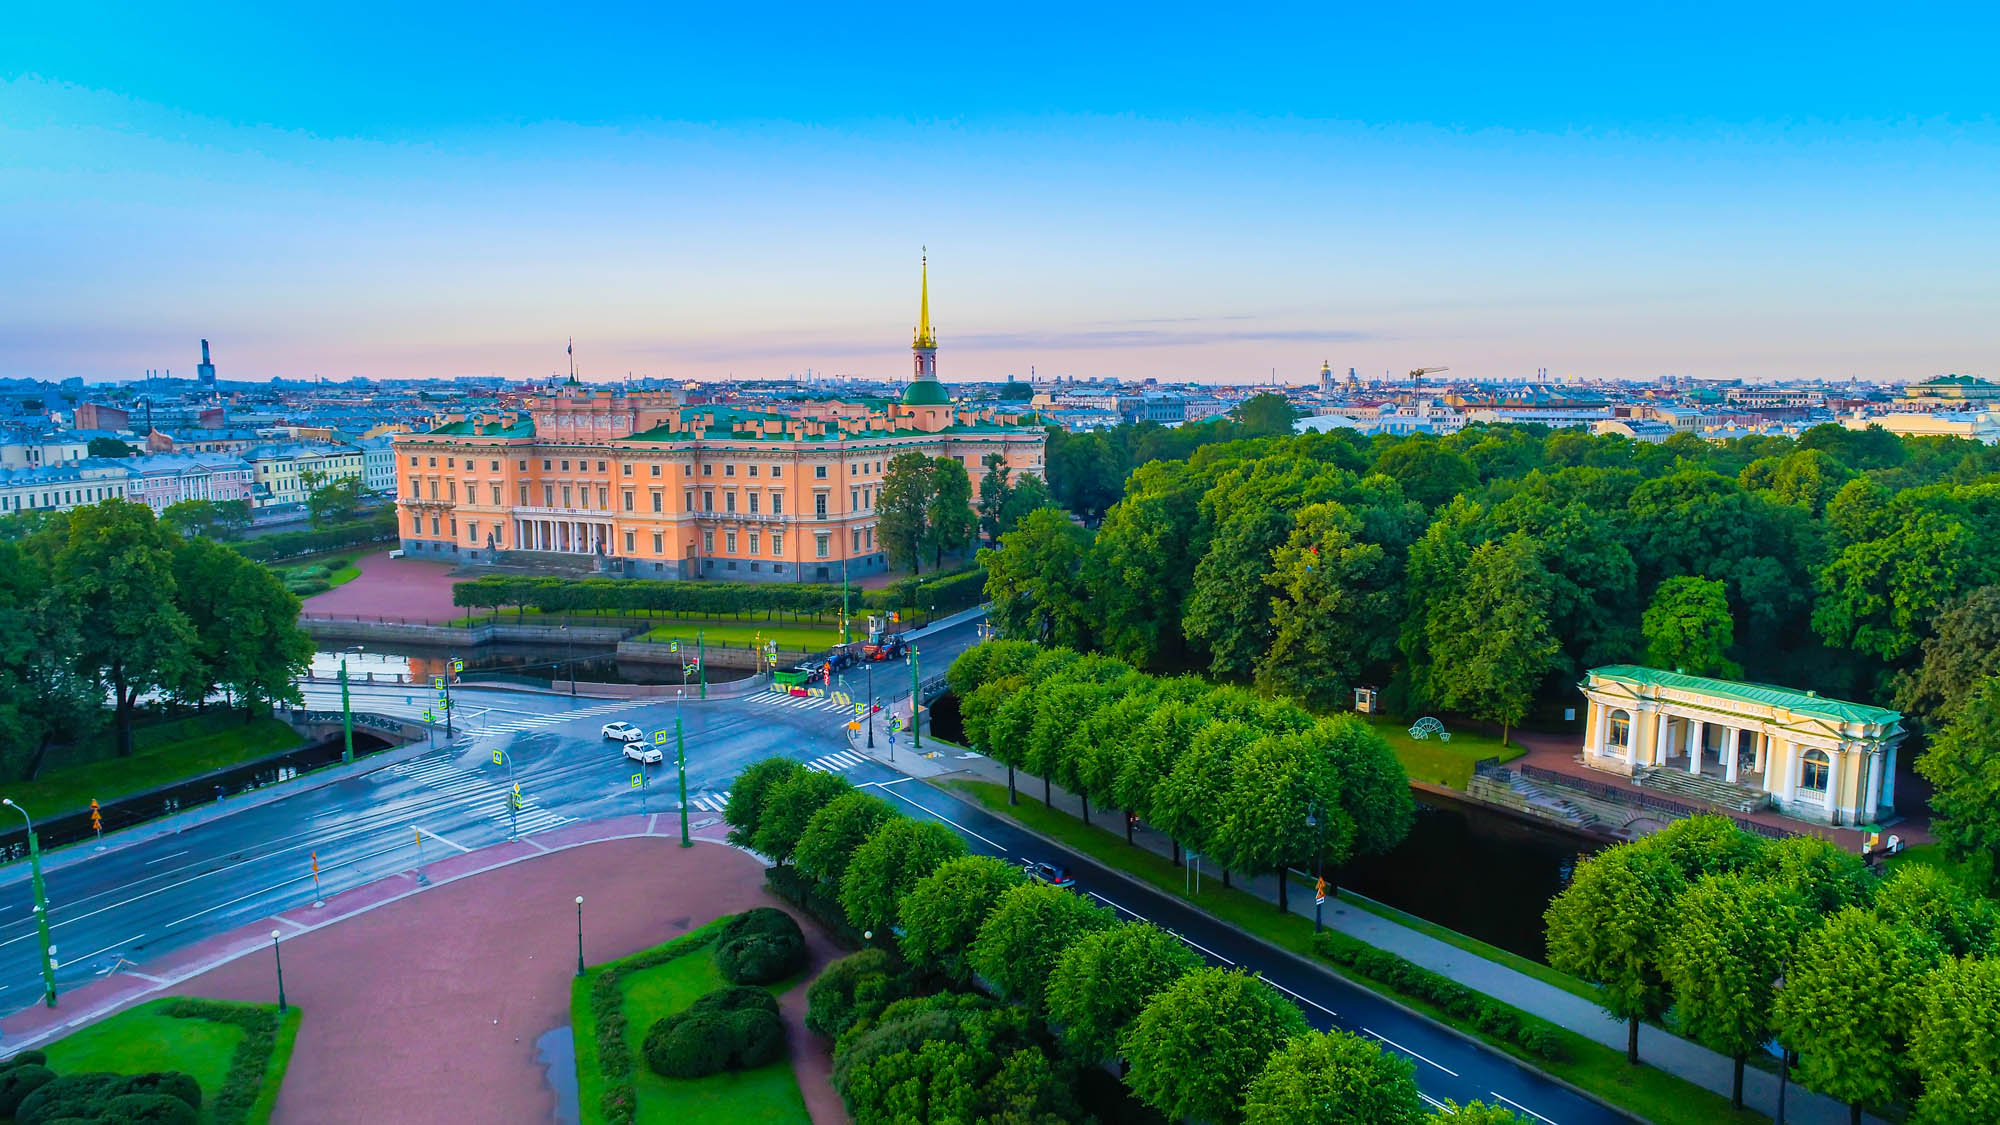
405 588
426 1009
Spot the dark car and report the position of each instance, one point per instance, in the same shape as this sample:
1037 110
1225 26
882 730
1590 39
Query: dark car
1052 874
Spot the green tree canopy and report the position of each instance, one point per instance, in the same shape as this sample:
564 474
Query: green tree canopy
1333 1078
943 912
1688 628
789 808
1607 927
887 865
903 509
1730 940
1851 997
750 794
1963 765
1955 1043
1104 978
1334 611
834 833
1027 930
1200 1042
1491 638
108 447
1963 651
950 524
1035 580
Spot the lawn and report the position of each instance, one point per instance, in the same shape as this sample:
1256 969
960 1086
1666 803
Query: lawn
1652 1094
765 1094
1439 762
162 753
146 1038
791 638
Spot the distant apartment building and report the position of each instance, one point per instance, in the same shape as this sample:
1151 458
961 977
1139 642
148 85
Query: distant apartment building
167 479
378 464
288 473
1951 392
644 485
64 485
1977 425
98 416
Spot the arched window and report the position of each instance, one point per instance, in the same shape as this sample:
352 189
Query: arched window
1814 769
1621 730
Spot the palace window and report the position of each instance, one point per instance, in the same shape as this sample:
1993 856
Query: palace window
708 542
778 544
566 502
729 470
524 496
819 503
1814 770
688 498
753 503
729 501
413 460
777 503
565 467
756 542
496 466
548 496
600 466
496 495
659 500
707 470
626 468
777 472
628 499
823 544
628 542
753 470
656 470
729 542
819 472
708 501
1621 729
658 544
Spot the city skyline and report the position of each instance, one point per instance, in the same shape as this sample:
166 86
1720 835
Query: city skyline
1178 196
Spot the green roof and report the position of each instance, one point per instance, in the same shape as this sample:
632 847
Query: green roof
523 427
1790 699
926 392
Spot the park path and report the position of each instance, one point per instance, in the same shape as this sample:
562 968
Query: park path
412 589
423 1004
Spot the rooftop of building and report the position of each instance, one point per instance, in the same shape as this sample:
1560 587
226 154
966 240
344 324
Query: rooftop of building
1797 702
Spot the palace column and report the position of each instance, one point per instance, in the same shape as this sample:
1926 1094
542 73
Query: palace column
1697 732
1788 762
1731 745
1873 789
1662 729
1600 720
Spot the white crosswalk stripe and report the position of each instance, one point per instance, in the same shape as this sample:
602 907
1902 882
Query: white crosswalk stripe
478 796
834 763
711 802
536 722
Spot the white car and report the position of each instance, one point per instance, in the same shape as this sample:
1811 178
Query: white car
647 755
623 732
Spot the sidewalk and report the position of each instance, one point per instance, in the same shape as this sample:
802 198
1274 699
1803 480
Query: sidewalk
1657 1048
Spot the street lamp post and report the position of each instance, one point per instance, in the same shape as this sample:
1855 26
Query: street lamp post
871 704
346 709
280 959
701 660
1319 863
681 762
579 935
916 702
501 757
41 905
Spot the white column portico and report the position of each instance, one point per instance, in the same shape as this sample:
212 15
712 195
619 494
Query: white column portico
1731 746
1696 733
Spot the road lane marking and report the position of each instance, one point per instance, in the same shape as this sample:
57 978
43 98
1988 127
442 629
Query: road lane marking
165 858
1519 1106
950 821
440 839
1407 1051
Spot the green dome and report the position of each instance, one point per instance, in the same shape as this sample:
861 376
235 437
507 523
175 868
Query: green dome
926 392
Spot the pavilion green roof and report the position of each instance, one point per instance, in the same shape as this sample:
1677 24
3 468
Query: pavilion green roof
1790 699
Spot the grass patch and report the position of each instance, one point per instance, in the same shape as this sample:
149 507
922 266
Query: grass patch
1441 763
146 1038
1472 945
793 637
162 753
658 989
1933 855
1652 1094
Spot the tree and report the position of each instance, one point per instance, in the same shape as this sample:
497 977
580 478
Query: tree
1029 494
1473 1113
902 509
265 651
835 831
1035 580
1333 613
789 808
1275 787
1104 978
42 695
1142 562
1963 765
216 519
1877 596
1823 875
1197 1046
1955 1043
944 910
1024 934
887 865
1085 472
1927 901
333 501
950 1057
1730 941
950 524
1963 649
1265 415
1491 640
993 491
115 571
1229 603
750 794
1333 1078
1374 789
1688 628
1851 996
1430 472
1607 926
108 447
1187 799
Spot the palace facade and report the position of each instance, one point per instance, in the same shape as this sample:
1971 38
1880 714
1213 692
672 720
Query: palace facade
1814 758
643 485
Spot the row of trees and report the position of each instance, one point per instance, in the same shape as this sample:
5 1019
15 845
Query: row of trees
940 593
952 1017
924 508
1483 570
1256 784
1881 987
1087 470
108 603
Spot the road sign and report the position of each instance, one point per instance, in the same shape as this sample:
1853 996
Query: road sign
853 726
437 682
673 646
895 724
458 666
660 737
860 709
1319 892
496 757
428 717
636 779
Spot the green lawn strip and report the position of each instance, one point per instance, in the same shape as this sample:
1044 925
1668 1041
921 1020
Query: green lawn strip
753 618
343 576
146 1038
1473 945
794 638
1436 761
162 753
1649 1092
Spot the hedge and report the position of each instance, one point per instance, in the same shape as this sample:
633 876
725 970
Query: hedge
619 1103
760 946
169 1098
939 594
728 1029
251 1060
1477 1009
377 528
821 900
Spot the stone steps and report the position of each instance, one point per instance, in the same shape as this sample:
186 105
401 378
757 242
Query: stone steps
1701 787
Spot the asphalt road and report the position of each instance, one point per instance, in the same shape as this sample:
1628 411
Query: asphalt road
133 903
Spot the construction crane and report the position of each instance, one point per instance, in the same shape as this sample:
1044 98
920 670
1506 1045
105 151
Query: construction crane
1417 380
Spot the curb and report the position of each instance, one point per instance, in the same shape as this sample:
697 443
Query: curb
1301 962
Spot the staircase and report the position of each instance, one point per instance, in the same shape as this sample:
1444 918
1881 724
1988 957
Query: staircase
1701 787
1501 786
545 562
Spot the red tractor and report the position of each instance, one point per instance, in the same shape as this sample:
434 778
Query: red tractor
882 644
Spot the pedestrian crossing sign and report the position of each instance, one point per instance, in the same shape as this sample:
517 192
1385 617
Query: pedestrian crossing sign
660 737
437 682
1319 892
496 757
895 724
860 709
428 717
458 666
673 646
637 778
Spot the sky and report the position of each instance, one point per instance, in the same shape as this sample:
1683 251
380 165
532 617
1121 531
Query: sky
1200 192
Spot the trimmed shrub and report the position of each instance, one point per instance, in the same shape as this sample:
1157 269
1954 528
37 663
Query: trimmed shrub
1482 1012
760 946
30 1058
250 1060
854 989
728 1029
172 1083
19 1080
70 1095
148 1109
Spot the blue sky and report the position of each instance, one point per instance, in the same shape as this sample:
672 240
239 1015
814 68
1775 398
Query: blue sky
1189 192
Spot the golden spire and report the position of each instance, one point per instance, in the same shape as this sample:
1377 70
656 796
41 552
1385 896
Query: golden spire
925 337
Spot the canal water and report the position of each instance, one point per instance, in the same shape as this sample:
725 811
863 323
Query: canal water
540 664
1463 866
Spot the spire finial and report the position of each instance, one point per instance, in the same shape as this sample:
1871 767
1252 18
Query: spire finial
925 337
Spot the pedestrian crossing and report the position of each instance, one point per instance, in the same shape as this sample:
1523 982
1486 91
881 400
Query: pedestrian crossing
478 795
711 802
467 737
835 763
829 701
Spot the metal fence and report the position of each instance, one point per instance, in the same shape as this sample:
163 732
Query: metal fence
1640 799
